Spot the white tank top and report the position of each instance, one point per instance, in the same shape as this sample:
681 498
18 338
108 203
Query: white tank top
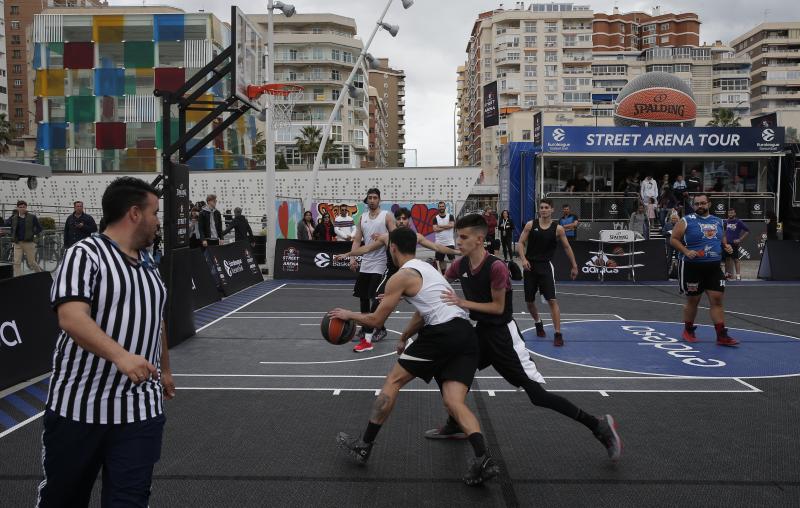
375 261
428 301
444 237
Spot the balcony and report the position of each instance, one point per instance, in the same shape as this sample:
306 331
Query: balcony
401 132
401 103
731 72
311 98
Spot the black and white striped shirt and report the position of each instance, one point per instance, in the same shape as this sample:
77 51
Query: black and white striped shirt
127 302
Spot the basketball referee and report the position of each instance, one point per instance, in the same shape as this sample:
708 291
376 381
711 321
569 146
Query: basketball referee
110 364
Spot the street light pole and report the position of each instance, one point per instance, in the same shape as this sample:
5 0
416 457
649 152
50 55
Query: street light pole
269 141
311 183
455 135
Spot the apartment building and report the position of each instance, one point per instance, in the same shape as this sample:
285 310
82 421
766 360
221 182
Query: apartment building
3 63
378 155
773 49
391 86
540 56
318 51
638 31
95 73
462 133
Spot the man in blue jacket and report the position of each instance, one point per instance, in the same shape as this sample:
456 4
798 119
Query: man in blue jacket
79 225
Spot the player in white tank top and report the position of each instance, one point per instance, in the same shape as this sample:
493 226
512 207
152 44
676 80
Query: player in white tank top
374 261
446 349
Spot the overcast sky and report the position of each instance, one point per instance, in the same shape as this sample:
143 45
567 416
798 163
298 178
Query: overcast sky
433 38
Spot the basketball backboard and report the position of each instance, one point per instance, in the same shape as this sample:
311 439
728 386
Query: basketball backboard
248 52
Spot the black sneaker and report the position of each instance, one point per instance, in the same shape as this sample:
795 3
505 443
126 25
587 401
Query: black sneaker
606 433
558 339
540 329
379 335
357 448
481 469
450 430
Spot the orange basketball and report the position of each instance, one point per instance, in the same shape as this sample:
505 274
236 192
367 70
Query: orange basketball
656 99
337 331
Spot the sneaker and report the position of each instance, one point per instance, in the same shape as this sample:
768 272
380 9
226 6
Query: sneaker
379 335
359 336
446 431
357 448
481 469
606 433
540 329
362 346
558 339
688 335
726 340
728 276
738 277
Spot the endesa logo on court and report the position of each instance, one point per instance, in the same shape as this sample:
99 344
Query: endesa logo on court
657 347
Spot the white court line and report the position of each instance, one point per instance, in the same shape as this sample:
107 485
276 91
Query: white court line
747 385
659 377
680 304
238 308
316 313
436 390
604 393
20 425
333 361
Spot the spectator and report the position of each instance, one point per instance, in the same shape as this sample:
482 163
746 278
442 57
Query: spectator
491 220
324 231
667 232
305 228
210 222
569 222
638 222
195 237
443 228
581 183
24 227
664 182
156 248
630 188
694 183
666 204
651 212
718 185
506 227
679 188
344 226
772 226
78 226
736 185
241 228
649 190
735 232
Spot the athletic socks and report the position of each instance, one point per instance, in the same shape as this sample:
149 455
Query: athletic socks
720 328
588 420
689 325
371 433
368 337
478 443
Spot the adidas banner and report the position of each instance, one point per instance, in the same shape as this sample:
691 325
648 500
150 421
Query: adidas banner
303 259
615 262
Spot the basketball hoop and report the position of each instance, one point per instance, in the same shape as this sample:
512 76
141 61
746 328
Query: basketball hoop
281 100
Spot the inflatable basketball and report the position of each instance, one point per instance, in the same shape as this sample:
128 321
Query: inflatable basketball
655 99
337 331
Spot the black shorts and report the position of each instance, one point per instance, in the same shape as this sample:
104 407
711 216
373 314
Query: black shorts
447 352
367 285
539 278
503 348
385 280
733 255
440 255
696 278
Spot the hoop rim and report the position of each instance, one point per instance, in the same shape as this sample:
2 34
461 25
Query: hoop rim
281 89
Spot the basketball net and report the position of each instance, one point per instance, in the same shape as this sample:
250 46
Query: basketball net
280 100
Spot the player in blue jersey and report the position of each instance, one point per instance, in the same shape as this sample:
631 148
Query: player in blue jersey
700 239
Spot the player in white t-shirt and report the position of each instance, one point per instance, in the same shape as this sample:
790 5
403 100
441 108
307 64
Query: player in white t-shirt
443 227
446 348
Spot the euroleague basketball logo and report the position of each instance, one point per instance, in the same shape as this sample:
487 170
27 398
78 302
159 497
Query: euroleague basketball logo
559 135
768 135
322 259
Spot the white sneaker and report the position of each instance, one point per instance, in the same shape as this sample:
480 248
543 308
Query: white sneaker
738 277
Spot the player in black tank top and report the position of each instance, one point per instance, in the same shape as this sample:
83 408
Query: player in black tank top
486 283
536 247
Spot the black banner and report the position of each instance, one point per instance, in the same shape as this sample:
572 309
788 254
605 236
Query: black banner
654 260
235 266
28 328
764 121
179 315
537 128
204 288
180 204
780 260
299 259
491 106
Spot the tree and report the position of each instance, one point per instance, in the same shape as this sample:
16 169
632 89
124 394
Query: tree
791 135
307 143
724 117
6 134
280 162
260 149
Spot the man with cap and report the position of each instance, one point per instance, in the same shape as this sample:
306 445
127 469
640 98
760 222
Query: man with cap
373 223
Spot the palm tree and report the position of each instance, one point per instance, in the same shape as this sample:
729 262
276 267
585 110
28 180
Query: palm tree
307 143
724 117
260 148
6 134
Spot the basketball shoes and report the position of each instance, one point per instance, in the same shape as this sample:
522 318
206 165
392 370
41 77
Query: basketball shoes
363 346
354 446
606 433
450 430
481 469
540 329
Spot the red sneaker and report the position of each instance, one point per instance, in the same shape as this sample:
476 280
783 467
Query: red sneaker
688 335
362 346
725 340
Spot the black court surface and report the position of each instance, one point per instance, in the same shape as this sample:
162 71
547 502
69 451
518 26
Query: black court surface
261 397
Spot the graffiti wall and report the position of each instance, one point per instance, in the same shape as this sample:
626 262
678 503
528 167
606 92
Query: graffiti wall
290 213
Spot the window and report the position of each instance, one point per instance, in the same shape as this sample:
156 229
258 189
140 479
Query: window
17 82
487 62
317 54
551 56
529 100
550 41
526 135
336 132
336 75
664 39
335 95
487 47
19 111
649 40
316 30
664 26
683 68
15 25
17 53
513 55
649 28
577 97
530 71
530 27
14 9
335 54
531 86
551 70
530 41
16 39
19 126
551 85
347 57
16 68
18 97
551 26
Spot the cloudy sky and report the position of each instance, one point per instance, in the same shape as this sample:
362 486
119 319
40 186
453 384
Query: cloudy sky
433 37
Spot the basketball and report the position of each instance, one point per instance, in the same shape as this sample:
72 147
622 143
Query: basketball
337 331
656 99
611 263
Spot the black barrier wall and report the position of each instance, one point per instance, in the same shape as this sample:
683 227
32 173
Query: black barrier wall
235 266
781 260
300 259
654 260
204 288
179 316
28 328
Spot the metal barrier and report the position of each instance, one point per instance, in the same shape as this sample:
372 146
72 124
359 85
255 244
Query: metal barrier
49 249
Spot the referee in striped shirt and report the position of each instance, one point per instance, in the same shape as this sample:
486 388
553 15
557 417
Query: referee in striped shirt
110 365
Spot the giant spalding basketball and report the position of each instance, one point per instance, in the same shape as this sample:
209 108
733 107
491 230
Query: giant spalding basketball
655 99
337 331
